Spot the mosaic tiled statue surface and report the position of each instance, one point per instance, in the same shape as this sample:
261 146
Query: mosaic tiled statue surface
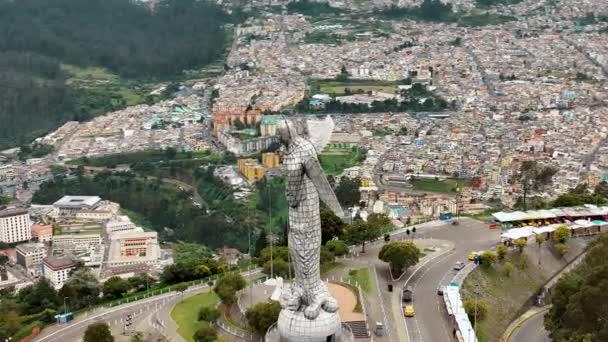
309 311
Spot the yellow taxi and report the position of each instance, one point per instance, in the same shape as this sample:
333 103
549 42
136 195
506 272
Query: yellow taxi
472 256
408 311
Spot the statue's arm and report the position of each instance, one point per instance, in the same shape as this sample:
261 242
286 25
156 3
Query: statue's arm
294 183
313 170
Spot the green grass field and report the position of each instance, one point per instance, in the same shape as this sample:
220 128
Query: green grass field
185 313
363 278
101 79
338 88
433 185
334 161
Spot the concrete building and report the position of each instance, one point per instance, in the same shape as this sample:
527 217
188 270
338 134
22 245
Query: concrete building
57 270
30 255
42 232
75 243
71 205
133 248
251 169
15 225
120 224
269 124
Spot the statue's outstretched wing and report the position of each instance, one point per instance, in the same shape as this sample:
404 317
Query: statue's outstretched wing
313 170
319 132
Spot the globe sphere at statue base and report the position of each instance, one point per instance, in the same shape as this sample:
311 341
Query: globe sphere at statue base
292 326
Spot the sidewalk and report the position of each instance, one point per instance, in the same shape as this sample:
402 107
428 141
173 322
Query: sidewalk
506 337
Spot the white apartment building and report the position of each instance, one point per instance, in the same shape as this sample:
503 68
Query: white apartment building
120 224
71 205
57 270
133 248
15 225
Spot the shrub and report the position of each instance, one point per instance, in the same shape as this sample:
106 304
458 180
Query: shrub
501 252
208 314
522 262
205 333
508 269
562 248
488 258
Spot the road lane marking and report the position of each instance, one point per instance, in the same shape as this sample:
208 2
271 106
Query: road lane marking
405 285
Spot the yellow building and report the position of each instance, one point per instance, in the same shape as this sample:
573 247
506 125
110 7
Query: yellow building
251 169
270 160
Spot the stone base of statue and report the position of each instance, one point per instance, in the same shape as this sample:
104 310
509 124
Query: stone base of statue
292 326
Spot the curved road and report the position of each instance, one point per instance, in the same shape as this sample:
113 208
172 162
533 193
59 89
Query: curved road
430 324
145 314
531 330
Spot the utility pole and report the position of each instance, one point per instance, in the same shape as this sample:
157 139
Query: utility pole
476 294
270 230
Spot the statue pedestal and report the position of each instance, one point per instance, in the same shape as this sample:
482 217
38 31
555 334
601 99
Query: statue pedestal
292 326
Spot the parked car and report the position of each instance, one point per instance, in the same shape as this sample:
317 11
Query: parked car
407 294
459 265
408 311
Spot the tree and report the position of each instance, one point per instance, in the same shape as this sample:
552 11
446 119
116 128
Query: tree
331 225
400 255
261 242
561 235
501 252
205 333
382 221
37 297
82 289
208 314
347 191
488 258
227 286
115 288
280 268
359 232
475 309
98 332
533 178
326 256
508 269
580 298
521 244
262 315
540 238
338 247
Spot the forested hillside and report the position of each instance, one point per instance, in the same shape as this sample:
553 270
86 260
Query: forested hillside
126 37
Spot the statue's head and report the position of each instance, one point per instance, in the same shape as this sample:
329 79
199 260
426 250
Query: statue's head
290 129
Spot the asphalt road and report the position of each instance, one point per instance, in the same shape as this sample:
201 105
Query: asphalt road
143 311
531 330
430 323
73 331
